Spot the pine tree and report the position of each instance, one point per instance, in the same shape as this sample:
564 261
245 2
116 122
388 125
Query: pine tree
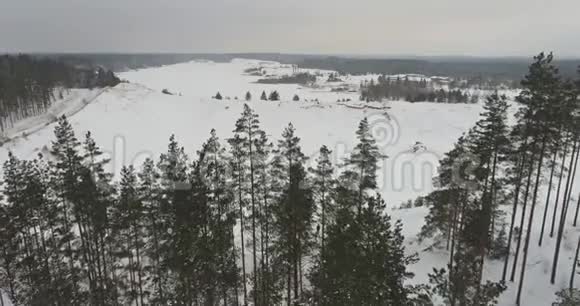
65 180
155 224
323 185
377 276
248 96
268 190
238 184
362 164
462 284
274 96
447 202
249 163
96 195
294 213
491 144
26 265
128 232
178 235
488 141
222 216
539 96
263 96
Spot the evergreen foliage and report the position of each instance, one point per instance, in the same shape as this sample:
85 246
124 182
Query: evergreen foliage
274 96
411 91
495 163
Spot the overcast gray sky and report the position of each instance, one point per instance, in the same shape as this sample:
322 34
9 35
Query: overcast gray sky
385 27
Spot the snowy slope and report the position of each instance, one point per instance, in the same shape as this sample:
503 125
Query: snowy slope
72 102
134 121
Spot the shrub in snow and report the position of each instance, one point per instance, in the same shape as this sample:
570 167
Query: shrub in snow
568 297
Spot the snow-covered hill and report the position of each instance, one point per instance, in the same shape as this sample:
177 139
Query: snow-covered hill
134 120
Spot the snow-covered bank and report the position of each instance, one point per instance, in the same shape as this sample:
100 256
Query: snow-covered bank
74 101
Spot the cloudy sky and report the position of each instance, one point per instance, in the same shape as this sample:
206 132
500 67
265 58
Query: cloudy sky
374 27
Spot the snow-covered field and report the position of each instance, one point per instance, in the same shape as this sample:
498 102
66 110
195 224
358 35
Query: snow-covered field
134 120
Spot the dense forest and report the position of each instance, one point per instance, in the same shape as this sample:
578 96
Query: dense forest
506 166
412 91
245 221
28 85
166 233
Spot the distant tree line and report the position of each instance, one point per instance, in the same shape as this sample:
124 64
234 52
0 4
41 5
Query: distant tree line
28 85
486 69
273 96
334 77
303 78
479 82
411 90
481 70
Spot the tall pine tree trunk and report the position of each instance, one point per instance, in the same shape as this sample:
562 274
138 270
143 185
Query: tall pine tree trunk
569 196
252 196
139 273
157 258
560 179
265 246
522 220
492 194
453 243
548 196
295 255
289 284
243 250
519 180
574 265
577 208
564 213
262 254
323 217
236 285
69 245
530 221
86 254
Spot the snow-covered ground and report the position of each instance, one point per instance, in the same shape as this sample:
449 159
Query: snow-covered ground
134 120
